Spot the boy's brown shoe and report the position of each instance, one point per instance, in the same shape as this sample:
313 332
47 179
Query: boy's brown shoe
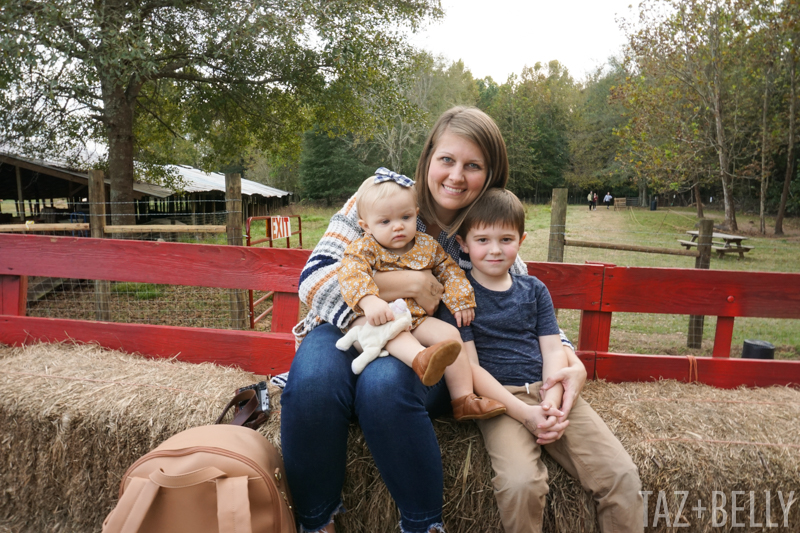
472 406
429 364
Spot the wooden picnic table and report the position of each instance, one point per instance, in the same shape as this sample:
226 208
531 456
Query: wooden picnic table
730 244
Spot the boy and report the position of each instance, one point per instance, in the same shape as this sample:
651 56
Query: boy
514 338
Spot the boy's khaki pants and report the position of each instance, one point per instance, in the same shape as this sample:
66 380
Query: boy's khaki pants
587 450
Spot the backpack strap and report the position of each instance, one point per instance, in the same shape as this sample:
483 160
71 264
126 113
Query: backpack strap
250 408
233 502
131 509
233 505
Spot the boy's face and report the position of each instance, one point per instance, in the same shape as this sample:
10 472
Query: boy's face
492 249
392 221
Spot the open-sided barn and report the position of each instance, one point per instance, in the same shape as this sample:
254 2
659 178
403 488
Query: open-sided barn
46 191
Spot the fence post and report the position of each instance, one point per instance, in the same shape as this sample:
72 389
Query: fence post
558 226
97 226
695 337
233 205
20 197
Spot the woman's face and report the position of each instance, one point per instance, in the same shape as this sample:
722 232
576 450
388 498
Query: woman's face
456 174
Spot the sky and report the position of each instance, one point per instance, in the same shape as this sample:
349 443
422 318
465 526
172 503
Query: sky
499 37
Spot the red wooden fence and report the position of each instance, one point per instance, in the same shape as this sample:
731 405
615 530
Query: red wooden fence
597 290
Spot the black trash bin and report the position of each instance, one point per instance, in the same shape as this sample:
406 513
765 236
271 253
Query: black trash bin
754 349
653 204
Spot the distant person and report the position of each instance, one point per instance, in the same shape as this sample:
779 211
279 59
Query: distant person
607 199
594 202
590 197
513 353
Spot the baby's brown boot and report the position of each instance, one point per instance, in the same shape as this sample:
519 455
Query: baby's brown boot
429 364
472 406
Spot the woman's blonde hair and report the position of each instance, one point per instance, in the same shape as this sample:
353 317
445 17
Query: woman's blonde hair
370 192
478 127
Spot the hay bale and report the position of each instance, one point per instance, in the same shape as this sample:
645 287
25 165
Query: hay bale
75 417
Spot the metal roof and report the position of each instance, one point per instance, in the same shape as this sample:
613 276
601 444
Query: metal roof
56 170
196 180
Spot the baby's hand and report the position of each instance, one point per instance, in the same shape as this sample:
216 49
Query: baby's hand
464 317
376 310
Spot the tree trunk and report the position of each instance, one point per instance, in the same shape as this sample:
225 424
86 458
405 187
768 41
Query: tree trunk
642 192
119 127
725 178
790 157
764 175
697 198
721 146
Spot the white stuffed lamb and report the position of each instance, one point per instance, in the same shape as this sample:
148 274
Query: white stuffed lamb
373 338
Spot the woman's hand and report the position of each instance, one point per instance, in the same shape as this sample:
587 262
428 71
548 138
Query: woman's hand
429 292
421 285
572 378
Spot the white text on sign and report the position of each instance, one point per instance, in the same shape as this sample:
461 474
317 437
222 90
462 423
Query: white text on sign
281 228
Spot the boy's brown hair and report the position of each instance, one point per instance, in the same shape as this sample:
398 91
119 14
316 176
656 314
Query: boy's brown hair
497 207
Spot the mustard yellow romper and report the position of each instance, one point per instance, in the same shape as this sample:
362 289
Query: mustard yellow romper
365 255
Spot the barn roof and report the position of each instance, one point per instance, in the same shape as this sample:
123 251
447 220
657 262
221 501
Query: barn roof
49 179
198 181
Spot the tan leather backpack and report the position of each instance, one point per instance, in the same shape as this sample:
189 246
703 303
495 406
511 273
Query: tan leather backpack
208 479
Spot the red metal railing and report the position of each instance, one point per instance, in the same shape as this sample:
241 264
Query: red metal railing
269 226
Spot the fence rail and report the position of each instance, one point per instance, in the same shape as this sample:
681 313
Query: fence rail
596 290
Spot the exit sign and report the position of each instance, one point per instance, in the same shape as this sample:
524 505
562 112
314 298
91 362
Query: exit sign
280 227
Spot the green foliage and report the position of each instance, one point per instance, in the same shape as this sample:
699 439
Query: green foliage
281 172
533 113
592 141
223 75
329 169
706 89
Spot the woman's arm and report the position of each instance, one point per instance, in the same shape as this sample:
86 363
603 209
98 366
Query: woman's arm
421 285
319 286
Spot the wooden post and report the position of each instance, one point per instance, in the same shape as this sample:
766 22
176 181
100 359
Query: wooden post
233 206
695 337
558 225
20 200
97 225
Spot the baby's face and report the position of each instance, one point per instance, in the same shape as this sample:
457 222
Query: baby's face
392 221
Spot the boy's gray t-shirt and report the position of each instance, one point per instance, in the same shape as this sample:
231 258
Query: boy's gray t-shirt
507 328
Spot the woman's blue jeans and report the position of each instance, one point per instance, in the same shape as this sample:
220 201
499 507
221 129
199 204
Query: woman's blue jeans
394 409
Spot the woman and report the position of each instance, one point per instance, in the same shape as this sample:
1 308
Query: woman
463 156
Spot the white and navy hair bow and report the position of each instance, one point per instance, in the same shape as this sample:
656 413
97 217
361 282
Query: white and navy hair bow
384 174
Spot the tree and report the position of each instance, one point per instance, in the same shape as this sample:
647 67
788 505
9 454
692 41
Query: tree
329 170
692 42
534 113
792 31
593 146
231 74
